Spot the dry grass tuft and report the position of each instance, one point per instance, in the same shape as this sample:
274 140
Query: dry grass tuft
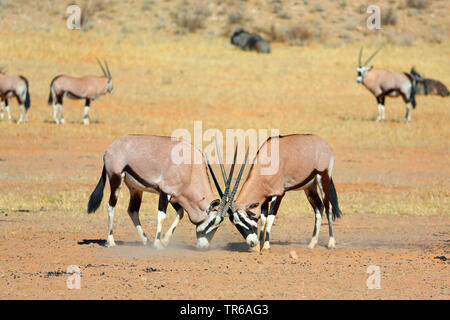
190 17
418 4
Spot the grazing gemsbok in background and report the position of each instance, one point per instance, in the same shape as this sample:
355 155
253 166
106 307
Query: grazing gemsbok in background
144 163
384 83
88 88
17 86
304 162
429 86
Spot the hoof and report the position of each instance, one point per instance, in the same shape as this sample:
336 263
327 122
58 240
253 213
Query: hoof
312 244
331 244
266 245
158 245
202 243
110 244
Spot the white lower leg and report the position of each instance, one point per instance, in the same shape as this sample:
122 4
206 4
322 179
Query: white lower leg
408 112
270 220
61 118
318 222
331 242
263 225
55 114
86 116
135 218
8 112
110 242
380 112
172 228
22 109
160 220
2 105
142 234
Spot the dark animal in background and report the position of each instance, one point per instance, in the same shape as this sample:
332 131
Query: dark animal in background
429 86
249 41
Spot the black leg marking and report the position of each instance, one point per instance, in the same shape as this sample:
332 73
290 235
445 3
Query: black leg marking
264 209
114 183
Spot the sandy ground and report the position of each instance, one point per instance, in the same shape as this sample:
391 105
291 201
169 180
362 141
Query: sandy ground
38 245
35 258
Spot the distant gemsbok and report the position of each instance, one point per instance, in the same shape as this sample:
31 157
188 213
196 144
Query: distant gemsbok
305 161
145 163
17 86
88 88
384 83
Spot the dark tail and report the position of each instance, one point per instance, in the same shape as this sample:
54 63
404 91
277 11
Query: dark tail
334 201
50 96
412 95
97 195
27 96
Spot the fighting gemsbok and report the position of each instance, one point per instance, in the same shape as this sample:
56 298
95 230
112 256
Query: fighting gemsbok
88 88
145 163
16 86
304 162
382 83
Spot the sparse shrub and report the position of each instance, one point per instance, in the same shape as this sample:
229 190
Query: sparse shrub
284 15
298 35
147 6
388 17
190 18
275 34
235 17
417 4
317 7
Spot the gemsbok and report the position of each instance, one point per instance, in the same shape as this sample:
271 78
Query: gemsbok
382 83
88 88
304 161
145 163
16 86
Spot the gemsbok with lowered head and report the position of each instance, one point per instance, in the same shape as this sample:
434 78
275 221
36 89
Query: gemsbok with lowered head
382 83
88 88
145 163
304 162
16 86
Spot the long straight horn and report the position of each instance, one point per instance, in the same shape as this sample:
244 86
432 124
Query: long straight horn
223 201
233 193
103 69
360 56
373 55
222 168
214 177
107 69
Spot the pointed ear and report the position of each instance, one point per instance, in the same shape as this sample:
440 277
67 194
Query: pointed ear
212 205
370 68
